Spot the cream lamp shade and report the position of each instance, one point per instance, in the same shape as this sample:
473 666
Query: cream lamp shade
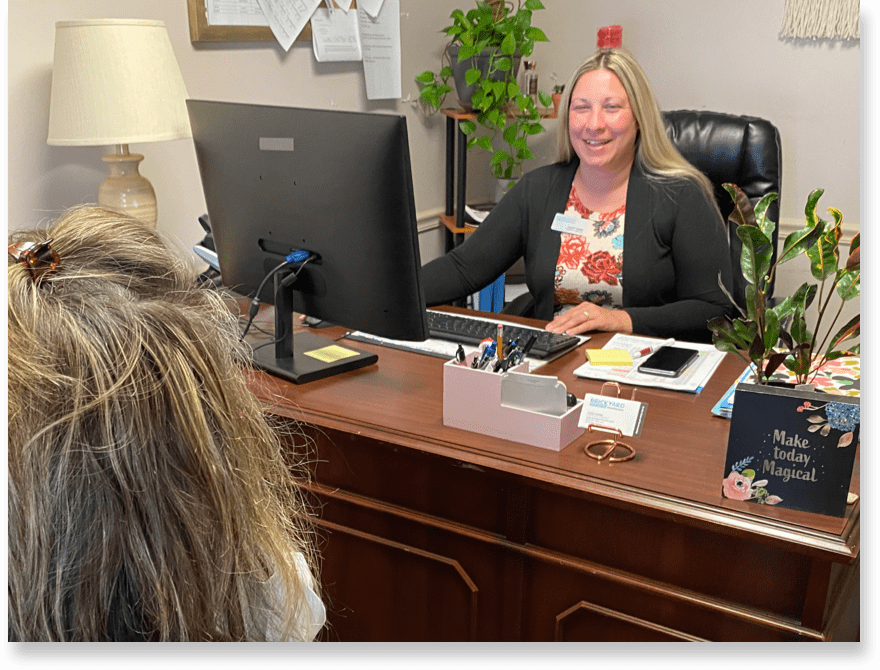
116 81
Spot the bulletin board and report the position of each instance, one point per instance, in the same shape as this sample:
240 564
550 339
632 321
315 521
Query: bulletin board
200 31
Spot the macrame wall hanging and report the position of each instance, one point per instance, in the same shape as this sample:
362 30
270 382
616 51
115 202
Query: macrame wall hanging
821 19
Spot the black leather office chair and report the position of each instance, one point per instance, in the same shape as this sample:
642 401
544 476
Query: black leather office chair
742 150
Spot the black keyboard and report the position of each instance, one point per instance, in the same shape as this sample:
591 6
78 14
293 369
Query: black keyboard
467 330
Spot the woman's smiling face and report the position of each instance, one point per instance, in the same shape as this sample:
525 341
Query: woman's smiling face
601 122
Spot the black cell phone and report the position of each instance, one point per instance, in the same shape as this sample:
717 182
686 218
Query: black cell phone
668 361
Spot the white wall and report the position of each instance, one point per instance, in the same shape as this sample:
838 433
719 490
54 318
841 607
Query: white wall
709 54
43 180
723 56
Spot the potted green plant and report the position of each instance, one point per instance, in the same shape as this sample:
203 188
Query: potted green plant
787 447
499 34
761 330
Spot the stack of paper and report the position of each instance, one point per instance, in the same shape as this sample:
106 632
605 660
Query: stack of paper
692 380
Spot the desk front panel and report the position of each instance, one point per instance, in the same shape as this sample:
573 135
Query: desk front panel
435 533
421 548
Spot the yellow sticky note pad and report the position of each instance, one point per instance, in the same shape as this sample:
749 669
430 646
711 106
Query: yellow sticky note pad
609 357
331 354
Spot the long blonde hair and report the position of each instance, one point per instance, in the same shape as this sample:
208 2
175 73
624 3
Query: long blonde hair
654 150
148 494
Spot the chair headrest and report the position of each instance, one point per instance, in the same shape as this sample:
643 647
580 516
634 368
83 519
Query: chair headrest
743 150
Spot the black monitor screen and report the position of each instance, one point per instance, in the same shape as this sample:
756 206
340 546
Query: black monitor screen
335 184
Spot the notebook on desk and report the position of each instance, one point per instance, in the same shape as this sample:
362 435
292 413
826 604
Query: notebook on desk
841 376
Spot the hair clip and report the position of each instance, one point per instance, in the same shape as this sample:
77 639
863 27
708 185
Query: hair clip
37 257
609 37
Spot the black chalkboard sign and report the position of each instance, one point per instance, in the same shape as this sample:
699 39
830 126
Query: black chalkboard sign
791 448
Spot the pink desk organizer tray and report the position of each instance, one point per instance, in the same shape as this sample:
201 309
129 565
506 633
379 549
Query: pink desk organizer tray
472 401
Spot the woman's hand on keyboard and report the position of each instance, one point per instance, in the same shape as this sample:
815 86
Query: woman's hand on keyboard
588 316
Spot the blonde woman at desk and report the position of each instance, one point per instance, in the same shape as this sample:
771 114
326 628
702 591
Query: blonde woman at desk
620 234
148 496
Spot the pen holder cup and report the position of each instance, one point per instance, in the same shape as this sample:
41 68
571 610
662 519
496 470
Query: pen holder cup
472 401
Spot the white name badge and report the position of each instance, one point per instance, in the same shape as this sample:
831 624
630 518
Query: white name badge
573 225
628 416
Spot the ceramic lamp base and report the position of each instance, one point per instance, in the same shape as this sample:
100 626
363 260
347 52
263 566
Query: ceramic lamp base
126 188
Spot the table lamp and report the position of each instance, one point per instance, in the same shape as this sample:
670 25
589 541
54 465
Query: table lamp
116 81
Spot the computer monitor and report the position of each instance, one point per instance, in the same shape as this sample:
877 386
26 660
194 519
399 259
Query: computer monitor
336 184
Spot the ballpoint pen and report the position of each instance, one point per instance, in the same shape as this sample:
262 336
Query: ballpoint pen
481 351
528 347
508 357
488 353
504 363
510 347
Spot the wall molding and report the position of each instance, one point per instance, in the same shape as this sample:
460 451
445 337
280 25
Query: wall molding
429 219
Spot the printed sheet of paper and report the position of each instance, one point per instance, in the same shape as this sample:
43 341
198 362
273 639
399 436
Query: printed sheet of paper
287 18
380 41
235 13
344 5
371 7
692 380
335 36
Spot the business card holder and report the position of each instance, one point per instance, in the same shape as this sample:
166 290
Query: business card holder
472 400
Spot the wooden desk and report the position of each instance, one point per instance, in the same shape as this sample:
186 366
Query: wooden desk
434 533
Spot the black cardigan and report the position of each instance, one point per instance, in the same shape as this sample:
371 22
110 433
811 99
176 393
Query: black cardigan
674 248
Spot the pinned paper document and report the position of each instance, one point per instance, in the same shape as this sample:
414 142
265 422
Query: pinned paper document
235 13
371 7
380 44
335 36
287 18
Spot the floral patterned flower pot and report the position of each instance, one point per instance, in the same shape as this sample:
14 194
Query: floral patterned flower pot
791 448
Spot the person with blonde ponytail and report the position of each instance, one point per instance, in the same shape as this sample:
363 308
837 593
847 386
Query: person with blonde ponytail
620 234
149 497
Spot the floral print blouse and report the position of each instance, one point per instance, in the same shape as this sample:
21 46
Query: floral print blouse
590 265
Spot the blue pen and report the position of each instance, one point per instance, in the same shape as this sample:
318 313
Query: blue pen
475 363
488 353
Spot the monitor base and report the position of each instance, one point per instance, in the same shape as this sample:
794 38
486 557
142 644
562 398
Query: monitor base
304 367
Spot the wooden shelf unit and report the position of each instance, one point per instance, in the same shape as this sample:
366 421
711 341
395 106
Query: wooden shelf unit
456 173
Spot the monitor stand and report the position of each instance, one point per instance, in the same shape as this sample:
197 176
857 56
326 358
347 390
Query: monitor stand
306 357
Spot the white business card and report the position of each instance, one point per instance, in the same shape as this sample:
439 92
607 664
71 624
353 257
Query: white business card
628 416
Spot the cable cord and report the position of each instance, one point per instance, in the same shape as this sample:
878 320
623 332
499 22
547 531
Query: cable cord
299 256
